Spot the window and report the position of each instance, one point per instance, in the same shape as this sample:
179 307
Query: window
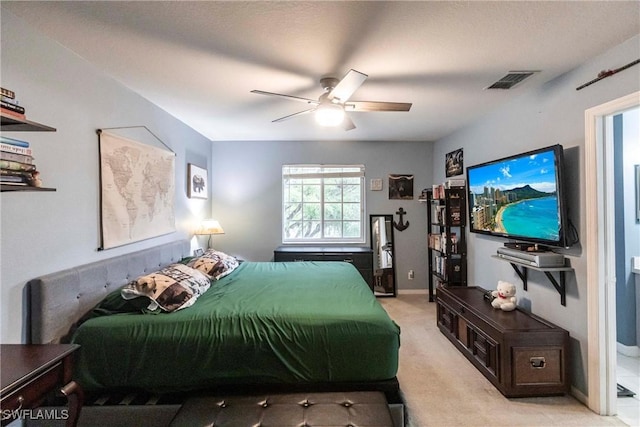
323 204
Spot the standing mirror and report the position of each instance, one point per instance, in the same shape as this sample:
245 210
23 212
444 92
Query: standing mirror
384 272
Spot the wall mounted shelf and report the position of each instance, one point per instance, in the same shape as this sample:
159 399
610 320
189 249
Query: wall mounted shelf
9 187
522 268
11 124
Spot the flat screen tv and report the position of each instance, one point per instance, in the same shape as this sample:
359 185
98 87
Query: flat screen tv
520 197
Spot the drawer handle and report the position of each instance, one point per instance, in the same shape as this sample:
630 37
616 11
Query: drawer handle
20 403
348 260
537 362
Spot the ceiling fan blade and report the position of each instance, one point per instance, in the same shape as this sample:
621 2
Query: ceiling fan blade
347 86
347 123
377 106
290 116
290 97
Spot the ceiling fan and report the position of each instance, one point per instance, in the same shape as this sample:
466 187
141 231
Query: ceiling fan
331 107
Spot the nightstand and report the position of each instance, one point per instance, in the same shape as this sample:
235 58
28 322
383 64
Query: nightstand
31 372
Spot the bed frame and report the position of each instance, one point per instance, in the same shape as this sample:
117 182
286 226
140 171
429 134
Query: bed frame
57 301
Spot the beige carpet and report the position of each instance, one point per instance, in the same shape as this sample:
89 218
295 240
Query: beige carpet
442 388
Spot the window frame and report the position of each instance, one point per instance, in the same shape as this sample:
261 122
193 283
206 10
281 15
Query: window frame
325 172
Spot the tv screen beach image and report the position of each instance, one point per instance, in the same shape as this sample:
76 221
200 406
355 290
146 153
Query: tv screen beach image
516 197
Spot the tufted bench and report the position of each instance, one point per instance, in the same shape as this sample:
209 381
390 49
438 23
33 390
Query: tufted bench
287 410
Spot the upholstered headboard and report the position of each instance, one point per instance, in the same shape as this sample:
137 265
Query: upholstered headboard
58 300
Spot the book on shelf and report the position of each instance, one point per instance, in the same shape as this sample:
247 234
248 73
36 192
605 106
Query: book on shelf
8 148
455 183
13 114
16 184
455 211
16 166
439 241
13 141
31 178
15 157
441 218
12 106
10 100
14 179
7 92
438 191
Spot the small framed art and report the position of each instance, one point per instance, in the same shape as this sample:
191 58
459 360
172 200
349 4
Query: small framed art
400 187
454 163
197 187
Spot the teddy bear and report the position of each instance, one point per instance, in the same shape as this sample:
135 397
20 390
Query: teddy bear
504 296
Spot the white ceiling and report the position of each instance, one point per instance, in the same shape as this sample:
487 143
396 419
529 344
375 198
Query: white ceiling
199 60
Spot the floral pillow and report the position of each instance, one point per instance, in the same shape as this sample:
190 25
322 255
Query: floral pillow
175 287
214 263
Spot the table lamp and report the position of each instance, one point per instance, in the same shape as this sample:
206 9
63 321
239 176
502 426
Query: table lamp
210 227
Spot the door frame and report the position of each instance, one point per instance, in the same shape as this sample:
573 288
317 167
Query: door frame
600 249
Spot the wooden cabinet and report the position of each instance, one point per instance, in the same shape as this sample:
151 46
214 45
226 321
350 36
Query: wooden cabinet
12 124
521 354
361 257
446 242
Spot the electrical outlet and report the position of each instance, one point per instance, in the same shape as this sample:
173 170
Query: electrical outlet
411 275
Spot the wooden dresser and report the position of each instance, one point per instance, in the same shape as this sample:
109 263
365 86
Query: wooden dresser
521 354
361 257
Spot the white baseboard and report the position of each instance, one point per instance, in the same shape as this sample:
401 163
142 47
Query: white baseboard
628 350
413 291
580 396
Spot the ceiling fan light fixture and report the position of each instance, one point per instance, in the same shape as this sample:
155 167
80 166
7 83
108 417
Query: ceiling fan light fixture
328 114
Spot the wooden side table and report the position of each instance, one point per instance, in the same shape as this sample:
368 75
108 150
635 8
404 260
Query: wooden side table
29 372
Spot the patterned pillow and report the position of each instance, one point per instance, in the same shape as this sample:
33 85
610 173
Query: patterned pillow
174 287
214 263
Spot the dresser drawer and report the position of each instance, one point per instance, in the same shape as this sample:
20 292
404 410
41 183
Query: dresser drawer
360 261
537 366
361 258
297 256
31 393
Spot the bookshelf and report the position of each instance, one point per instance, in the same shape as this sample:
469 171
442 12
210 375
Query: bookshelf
446 240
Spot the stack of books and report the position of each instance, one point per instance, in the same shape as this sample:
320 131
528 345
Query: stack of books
9 106
16 159
16 163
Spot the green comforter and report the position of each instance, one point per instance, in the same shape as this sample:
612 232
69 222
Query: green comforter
267 322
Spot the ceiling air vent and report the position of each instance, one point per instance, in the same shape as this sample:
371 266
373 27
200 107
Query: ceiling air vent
511 79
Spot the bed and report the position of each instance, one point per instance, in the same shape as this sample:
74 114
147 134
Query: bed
312 326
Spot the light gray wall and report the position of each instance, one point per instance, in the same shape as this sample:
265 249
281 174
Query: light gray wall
47 232
247 194
553 114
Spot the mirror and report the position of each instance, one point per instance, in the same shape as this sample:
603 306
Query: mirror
384 272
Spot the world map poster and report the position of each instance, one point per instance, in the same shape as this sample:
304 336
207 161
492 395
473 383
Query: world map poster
137 190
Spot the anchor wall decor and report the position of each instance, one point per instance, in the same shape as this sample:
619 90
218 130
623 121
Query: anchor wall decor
400 225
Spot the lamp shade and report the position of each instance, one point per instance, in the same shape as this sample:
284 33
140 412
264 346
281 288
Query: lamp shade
209 226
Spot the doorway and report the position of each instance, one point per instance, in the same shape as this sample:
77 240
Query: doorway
601 252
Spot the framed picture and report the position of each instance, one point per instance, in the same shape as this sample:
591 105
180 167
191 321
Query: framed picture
197 182
400 187
453 163
376 184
